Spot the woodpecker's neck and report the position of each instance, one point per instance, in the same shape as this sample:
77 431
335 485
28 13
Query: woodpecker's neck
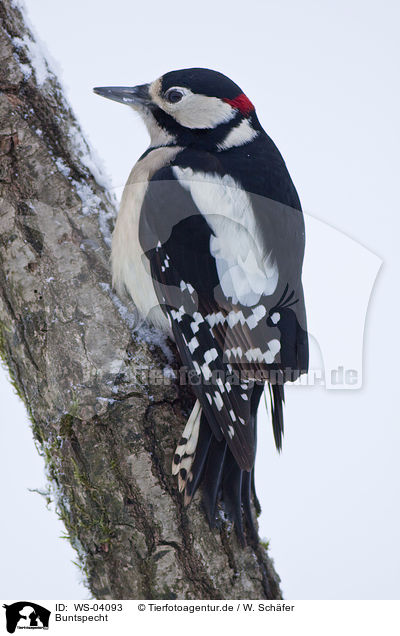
243 133
159 135
166 131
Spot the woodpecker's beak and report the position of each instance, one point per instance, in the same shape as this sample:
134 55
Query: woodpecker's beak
133 96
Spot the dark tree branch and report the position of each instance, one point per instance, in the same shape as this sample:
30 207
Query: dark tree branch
104 417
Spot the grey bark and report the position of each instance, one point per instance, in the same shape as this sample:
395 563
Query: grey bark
104 415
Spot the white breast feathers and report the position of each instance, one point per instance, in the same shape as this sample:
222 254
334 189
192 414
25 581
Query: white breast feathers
128 260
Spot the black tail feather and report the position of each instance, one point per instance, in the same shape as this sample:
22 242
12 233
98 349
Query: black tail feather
256 502
277 397
202 447
247 492
216 470
232 494
255 401
212 478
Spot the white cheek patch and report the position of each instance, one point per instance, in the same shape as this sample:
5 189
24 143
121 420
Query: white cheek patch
194 111
245 271
199 111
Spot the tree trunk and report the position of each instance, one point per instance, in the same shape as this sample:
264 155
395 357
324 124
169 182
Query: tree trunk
106 413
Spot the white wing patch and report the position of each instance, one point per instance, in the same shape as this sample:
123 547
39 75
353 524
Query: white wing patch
246 272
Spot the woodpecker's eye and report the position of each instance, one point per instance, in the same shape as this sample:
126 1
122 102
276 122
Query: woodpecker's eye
173 96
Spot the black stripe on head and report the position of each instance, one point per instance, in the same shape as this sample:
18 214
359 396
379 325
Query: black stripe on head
202 81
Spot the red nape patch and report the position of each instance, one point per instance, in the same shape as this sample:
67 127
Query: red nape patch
242 103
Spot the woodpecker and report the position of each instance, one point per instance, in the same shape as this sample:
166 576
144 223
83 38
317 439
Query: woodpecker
209 243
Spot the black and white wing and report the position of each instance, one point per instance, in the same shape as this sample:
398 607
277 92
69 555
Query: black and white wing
185 279
219 287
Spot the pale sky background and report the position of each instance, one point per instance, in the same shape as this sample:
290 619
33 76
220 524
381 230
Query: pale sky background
324 79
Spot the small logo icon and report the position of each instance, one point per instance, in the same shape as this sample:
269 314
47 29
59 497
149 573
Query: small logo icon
26 615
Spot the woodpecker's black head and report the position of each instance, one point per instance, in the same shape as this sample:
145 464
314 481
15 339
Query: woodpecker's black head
194 106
